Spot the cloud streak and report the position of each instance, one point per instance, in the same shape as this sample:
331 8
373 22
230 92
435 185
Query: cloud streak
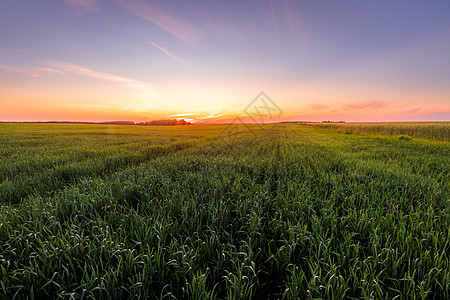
178 28
50 70
319 107
291 16
181 115
286 14
90 5
68 68
169 54
366 105
27 72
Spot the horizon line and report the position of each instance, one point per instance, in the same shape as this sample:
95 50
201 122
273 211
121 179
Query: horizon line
147 123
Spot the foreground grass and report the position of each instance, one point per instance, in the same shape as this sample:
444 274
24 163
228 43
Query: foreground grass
284 212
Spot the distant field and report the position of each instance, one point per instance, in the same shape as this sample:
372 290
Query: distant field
217 212
438 131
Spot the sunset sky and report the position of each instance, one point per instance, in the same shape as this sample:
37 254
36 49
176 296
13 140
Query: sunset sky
205 61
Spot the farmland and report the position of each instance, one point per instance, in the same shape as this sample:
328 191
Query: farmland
438 131
193 212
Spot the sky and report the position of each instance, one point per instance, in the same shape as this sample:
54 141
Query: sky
208 61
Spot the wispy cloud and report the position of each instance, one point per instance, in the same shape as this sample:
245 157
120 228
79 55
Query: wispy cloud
178 28
181 115
211 116
90 5
425 110
170 54
284 13
28 72
366 105
291 16
50 70
68 68
200 117
414 110
319 106
221 28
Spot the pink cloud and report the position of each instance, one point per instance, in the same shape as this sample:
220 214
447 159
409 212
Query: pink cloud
415 110
90 5
273 17
50 70
169 54
178 28
218 28
424 111
318 106
365 105
291 17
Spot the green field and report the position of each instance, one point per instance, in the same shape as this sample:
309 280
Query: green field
284 211
437 131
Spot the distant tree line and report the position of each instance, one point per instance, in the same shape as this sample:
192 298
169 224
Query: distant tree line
296 122
165 122
154 122
118 123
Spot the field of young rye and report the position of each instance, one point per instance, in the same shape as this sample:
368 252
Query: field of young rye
196 212
437 131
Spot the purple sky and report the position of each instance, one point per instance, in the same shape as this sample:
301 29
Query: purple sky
206 60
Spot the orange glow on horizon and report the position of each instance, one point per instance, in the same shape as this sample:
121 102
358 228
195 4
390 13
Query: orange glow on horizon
73 93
